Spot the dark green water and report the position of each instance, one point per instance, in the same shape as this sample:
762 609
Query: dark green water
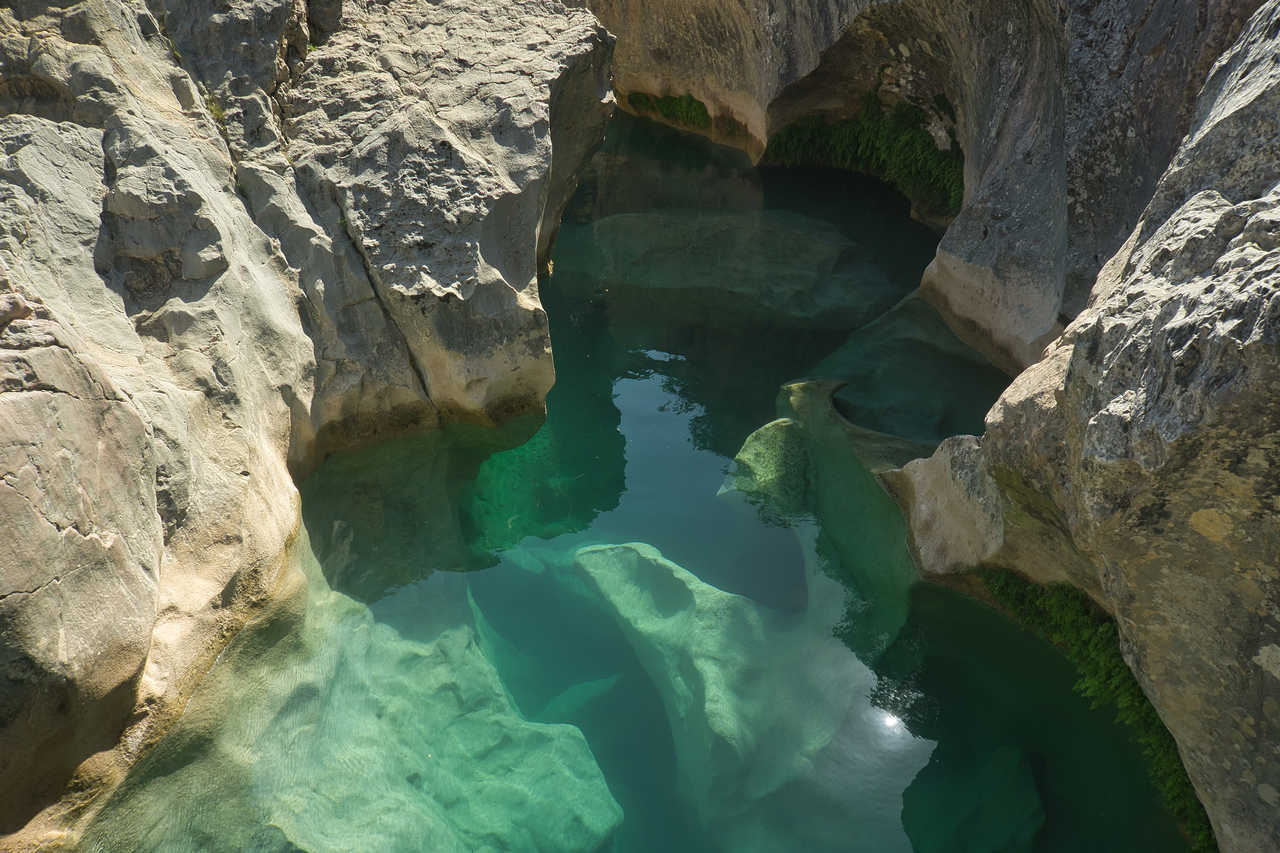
464 678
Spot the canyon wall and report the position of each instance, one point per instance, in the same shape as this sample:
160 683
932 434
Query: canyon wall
1140 460
1066 113
235 236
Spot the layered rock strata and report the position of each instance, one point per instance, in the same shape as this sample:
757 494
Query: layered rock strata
1139 459
234 237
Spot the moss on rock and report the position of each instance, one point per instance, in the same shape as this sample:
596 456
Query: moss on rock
1067 618
685 110
891 144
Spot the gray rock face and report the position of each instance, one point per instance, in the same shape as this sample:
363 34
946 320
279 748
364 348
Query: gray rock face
1155 54
434 165
1041 99
235 236
1139 459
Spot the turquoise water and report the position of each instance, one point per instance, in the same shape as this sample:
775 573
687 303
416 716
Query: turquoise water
614 638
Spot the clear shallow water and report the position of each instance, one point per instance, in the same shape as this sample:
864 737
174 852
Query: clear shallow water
454 673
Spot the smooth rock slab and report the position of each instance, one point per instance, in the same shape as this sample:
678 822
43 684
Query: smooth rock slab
778 747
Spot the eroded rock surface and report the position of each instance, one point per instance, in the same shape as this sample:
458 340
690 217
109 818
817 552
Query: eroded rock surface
1039 96
1139 460
235 237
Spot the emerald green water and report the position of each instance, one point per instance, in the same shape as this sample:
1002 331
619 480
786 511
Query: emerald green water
481 662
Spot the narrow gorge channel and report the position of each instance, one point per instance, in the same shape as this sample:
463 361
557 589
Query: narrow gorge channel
682 615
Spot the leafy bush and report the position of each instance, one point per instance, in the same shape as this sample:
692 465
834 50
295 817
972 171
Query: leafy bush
1066 617
685 110
892 145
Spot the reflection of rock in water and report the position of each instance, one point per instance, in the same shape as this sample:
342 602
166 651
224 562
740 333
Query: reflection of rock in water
963 801
753 276
1020 757
777 744
648 166
573 468
808 463
387 516
392 514
329 731
702 267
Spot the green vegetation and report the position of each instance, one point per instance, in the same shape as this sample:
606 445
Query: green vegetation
685 110
1067 618
889 144
216 110
730 128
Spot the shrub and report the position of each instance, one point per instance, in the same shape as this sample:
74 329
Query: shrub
1066 617
685 110
215 109
889 144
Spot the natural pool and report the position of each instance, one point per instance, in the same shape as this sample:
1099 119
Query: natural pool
483 661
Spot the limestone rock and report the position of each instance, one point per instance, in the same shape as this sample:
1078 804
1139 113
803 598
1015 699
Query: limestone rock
78 594
321 690
769 712
433 168
1139 459
201 237
906 374
772 470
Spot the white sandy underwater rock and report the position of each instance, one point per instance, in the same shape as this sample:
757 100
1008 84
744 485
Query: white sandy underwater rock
344 735
778 745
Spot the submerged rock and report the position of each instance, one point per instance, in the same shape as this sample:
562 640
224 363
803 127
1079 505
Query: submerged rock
775 738
736 266
772 470
813 463
906 374
327 730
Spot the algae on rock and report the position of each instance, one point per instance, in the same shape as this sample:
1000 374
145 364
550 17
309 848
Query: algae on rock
891 144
